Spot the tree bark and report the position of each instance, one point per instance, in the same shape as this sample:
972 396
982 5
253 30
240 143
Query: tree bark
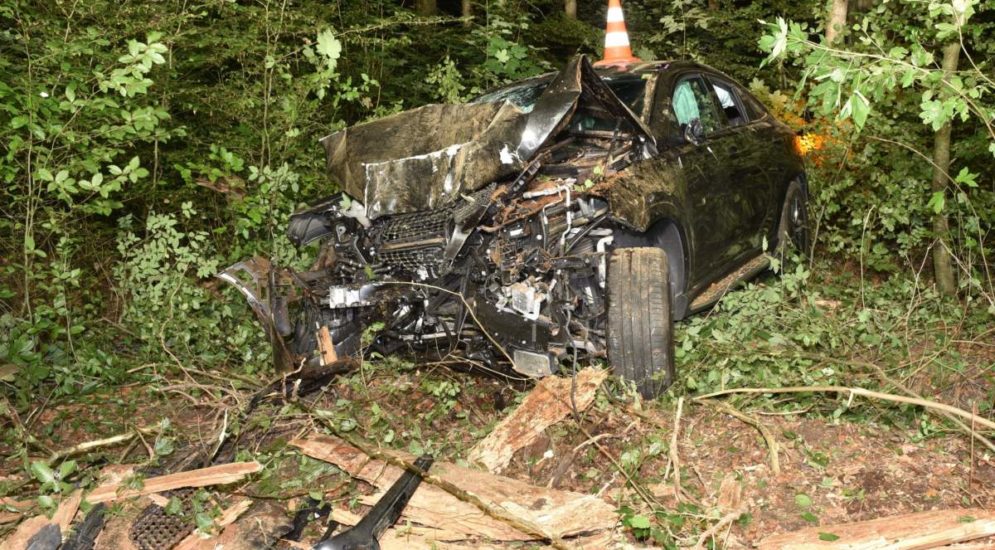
713 5
943 268
836 21
426 7
570 8
467 12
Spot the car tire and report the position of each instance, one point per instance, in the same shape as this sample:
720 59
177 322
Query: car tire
793 228
640 326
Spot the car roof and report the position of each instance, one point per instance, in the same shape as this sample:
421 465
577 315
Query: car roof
615 72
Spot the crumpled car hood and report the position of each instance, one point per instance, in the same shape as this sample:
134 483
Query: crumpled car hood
425 158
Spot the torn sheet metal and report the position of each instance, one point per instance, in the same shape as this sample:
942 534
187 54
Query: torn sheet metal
425 158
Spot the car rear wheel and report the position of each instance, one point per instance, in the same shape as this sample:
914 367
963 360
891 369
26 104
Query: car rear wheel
640 326
793 229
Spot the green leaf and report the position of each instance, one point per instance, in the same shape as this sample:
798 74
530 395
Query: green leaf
965 177
828 537
67 468
936 202
40 470
329 46
639 522
861 108
810 517
803 500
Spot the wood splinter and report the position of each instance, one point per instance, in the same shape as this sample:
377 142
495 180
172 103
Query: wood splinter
326 348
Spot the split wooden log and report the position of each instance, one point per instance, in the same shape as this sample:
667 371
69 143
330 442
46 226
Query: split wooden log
221 474
915 531
545 405
558 513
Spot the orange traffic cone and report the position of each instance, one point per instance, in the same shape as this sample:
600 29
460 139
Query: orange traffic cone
617 50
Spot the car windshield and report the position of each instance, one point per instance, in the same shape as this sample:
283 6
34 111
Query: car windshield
524 96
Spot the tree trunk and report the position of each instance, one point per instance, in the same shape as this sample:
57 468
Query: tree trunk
943 268
467 12
570 8
426 7
713 5
836 21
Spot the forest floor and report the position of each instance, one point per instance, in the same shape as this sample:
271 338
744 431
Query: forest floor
839 462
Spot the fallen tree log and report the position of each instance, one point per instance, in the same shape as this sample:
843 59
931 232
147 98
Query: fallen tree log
904 532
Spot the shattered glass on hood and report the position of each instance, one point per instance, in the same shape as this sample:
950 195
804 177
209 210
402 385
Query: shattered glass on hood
425 158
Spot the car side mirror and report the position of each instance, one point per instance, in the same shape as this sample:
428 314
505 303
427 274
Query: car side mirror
694 132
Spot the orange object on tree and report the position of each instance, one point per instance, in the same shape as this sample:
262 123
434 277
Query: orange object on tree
617 50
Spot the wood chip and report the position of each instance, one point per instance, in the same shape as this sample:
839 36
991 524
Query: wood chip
258 529
904 532
545 405
559 513
221 474
194 541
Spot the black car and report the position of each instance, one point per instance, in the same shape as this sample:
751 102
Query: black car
572 215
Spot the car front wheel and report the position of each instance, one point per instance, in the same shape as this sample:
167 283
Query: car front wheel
640 326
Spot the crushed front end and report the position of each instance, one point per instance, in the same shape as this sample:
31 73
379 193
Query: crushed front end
489 245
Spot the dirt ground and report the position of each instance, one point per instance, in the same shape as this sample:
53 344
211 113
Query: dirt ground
832 471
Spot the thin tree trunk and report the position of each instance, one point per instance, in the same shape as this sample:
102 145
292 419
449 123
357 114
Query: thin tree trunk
570 8
467 12
426 7
713 5
943 268
836 21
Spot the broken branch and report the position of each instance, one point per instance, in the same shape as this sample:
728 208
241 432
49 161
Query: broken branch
858 391
772 447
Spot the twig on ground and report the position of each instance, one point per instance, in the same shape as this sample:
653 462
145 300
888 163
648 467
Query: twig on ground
675 459
772 447
858 391
712 531
97 444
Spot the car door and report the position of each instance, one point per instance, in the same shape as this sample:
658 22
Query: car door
715 226
747 146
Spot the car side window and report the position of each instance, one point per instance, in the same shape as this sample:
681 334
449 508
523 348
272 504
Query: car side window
731 107
692 101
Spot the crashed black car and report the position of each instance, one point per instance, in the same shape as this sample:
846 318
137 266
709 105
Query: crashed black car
569 216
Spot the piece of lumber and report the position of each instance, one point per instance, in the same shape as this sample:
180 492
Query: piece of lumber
326 348
194 541
548 403
904 532
221 474
559 513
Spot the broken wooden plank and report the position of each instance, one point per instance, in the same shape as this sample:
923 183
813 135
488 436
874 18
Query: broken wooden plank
547 404
559 513
221 474
904 532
